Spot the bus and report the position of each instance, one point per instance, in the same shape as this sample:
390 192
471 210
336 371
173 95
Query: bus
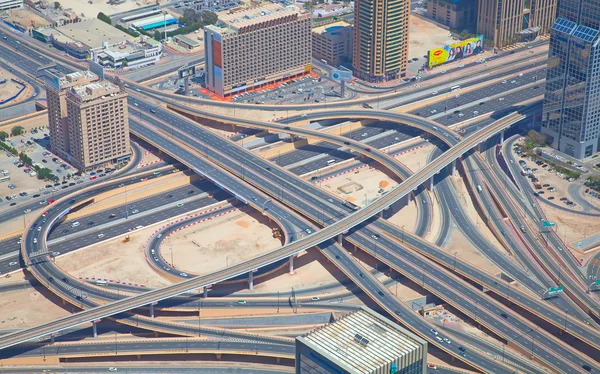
350 205
454 88
101 283
331 162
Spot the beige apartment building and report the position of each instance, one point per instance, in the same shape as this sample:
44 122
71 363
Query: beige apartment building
333 42
88 119
459 16
504 23
253 47
380 39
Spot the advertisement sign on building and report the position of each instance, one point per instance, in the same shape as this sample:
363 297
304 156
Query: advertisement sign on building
217 58
456 51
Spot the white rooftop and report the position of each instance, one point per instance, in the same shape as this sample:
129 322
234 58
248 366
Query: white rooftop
362 341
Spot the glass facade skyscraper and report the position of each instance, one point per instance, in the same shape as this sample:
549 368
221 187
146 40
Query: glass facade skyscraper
571 113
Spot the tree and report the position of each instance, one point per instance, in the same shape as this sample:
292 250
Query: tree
308 6
57 5
157 35
537 138
103 17
17 130
44 173
3 135
209 18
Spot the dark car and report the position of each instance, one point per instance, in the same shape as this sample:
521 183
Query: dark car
586 367
380 293
504 315
13 204
112 215
36 195
91 223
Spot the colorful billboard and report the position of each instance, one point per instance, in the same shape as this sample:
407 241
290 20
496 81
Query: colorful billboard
456 51
217 58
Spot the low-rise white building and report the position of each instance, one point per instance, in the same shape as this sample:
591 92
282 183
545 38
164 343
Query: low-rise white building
146 51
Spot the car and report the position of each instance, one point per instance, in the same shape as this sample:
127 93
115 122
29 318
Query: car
100 236
308 231
179 205
380 293
546 185
34 240
586 367
563 198
135 211
13 263
439 339
374 236
90 223
112 215
550 197
434 93
434 111
166 268
433 331
151 110
112 368
448 341
315 298
36 195
504 315
55 254
44 214
27 211
461 348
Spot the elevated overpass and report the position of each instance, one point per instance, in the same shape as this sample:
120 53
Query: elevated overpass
284 252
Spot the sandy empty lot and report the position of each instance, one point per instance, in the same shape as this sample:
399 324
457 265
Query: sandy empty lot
114 260
426 35
27 308
222 242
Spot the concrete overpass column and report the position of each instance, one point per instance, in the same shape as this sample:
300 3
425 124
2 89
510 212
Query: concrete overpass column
431 184
94 328
151 310
205 292
501 137
381 214
251 280
292 265
340 238
453 167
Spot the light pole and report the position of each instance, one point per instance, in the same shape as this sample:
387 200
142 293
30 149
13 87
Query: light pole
165 24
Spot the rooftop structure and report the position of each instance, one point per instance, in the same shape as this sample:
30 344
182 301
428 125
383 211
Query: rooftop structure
333 42
130 54
91 32
10 4
361 342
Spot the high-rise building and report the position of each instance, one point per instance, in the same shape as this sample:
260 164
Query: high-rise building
571 115
507 22
380 39
250 48
456 14
361 342
87 118
333 42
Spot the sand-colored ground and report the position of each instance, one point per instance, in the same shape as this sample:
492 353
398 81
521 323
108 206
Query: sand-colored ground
361 187
469 207
406 217
310 269
464 250
216 244
28 18
40 121
114 260
425 35
8 88
27 308
572 227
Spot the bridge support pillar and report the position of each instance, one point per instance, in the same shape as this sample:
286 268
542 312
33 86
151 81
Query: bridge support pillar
431 184
94 329
453 167
151 311
251 280
205 292
291 265
501 137
340 238
52 338
381 214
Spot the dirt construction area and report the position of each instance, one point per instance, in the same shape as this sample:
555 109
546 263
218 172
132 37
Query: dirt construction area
27 308
426 35
225 241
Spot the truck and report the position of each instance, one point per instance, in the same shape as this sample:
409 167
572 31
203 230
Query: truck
538 186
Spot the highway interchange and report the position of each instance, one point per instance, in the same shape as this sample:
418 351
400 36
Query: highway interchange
316 205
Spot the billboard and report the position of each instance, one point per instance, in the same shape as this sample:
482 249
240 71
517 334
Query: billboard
341 75
217 58
456 51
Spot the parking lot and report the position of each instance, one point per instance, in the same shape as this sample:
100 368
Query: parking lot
308 89
24 186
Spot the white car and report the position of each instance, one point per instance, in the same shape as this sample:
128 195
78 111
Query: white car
183 274
13 263
34 240
100 236
501 99
504 82
55 254
27 211
434 111
447 340
461 66
434 93
113 369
